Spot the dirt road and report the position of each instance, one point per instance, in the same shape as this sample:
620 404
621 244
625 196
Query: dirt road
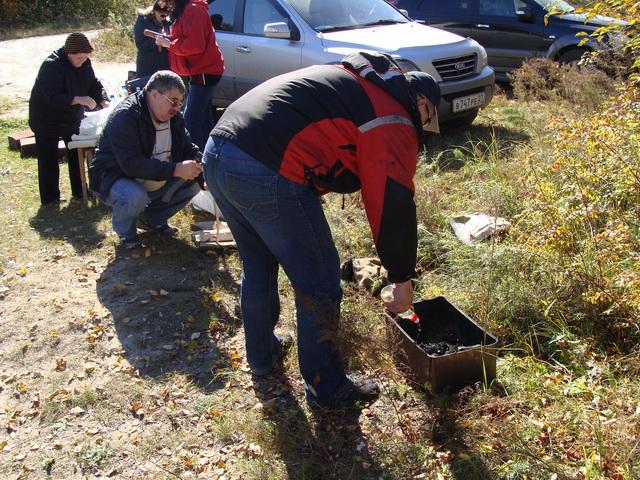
21 58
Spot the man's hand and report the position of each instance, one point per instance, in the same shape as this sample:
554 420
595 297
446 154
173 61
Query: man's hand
104 103
163 42
187 170
88 102
402 297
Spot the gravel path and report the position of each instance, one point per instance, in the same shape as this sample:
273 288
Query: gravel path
21 58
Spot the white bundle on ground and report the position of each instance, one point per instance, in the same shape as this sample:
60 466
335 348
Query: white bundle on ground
204 201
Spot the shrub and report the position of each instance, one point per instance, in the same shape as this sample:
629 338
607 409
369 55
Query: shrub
29 15
544 79
580 219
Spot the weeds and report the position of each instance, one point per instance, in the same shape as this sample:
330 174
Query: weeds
544 79
565 402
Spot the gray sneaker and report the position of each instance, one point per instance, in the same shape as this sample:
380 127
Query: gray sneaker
163 229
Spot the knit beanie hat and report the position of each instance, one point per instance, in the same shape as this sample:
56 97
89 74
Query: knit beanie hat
77 43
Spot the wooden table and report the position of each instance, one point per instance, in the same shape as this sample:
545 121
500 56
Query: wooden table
86 148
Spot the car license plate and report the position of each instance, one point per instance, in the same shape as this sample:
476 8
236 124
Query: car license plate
461 104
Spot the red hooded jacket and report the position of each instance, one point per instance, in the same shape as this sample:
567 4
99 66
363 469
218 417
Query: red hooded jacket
193 47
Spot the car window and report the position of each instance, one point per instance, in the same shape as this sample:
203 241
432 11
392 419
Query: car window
257 13
549 5
327 15
223 14
452 8
497 8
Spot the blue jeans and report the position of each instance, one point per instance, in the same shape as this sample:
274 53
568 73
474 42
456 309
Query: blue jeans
278 222
129 202
198 113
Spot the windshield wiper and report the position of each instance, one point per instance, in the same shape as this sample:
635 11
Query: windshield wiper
335 28
380 22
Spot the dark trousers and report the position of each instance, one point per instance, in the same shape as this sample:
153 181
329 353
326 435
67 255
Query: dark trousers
49 169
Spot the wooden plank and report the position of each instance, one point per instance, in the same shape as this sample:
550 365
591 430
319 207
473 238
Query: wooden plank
28 148
62 150
15 137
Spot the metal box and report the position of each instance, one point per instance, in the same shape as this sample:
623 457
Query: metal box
440 321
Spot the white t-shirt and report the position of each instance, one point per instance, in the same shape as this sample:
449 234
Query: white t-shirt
161 151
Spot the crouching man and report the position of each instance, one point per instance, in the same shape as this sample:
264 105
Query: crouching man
145 167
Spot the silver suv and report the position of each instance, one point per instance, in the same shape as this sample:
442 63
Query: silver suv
264 38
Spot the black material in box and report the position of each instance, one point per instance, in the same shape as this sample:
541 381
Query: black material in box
441 320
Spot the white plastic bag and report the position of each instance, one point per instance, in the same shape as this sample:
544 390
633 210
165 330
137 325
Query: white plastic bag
92 123
472 228
204 201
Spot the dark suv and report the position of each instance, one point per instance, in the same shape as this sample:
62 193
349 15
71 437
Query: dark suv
512 30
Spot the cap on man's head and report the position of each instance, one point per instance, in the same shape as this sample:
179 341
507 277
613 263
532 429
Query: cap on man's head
425 84
77 43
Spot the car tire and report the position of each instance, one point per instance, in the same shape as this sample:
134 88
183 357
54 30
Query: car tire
461 122
572 57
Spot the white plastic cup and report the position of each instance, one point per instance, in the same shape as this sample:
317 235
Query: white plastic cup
386 294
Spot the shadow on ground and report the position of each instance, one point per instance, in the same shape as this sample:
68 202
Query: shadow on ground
452 147
156 296
332 447
71 222
466 463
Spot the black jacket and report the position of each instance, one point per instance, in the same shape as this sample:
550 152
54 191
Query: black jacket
149 59
58 81
341 128
126 146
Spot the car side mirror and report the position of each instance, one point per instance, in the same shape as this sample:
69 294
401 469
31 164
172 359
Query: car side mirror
524 14
404 12
277 30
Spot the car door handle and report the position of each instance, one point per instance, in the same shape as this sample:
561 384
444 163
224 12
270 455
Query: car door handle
482 25
243 49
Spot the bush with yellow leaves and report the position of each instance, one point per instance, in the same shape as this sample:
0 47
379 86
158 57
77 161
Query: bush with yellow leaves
582 214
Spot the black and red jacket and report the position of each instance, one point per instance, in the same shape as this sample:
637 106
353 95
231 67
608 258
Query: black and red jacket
341 128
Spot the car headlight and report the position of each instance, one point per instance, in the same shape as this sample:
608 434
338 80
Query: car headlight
483 61
406 65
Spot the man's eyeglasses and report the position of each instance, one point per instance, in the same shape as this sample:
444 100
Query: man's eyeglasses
173 103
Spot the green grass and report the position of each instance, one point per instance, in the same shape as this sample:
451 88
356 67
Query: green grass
564 404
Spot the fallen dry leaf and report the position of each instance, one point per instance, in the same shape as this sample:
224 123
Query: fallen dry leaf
61 365
77 411
136 408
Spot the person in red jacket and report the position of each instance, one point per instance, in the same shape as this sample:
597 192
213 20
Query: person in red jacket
194 55
274 151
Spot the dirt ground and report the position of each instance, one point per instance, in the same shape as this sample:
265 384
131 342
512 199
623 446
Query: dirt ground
20 60
130 364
